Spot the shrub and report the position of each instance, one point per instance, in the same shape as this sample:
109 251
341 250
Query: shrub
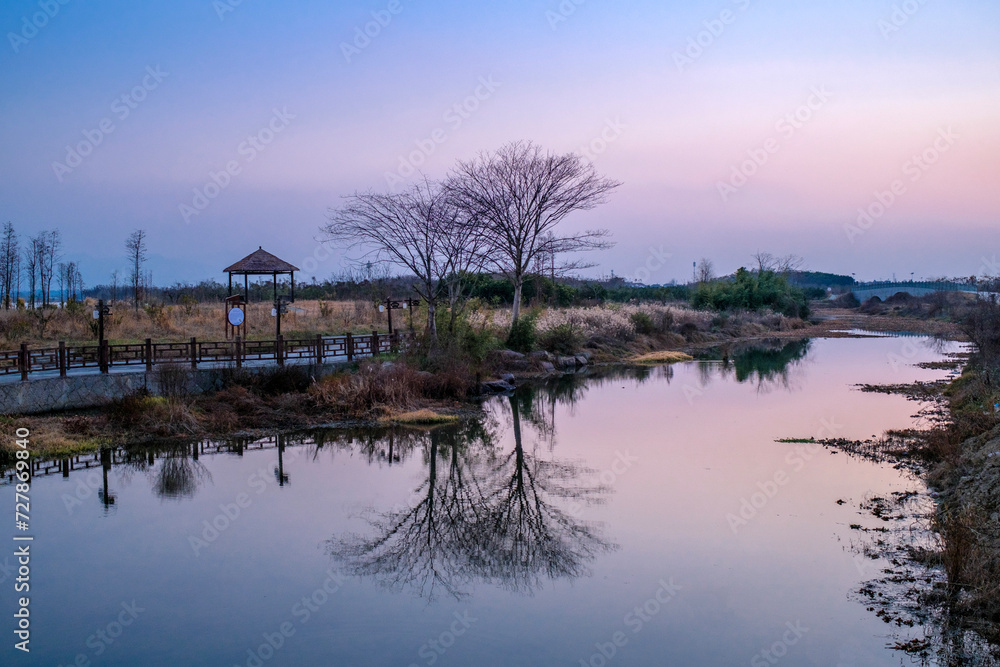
270 381
643 323
373 389
562 339
847 301
522 334
753 291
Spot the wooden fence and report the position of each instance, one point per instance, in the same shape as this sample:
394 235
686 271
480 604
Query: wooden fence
102 358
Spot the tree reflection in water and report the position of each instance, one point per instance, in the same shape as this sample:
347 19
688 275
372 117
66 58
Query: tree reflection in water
505 519
173 471
766 364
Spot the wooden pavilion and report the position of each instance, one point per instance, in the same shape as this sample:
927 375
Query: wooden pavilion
261 263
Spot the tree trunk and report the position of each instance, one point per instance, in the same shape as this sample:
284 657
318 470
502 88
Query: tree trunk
516 312
432 318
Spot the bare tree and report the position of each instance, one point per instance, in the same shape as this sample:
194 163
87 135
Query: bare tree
114 286
413 230
77 282
785 264
63 273
51 252
10 257
136 247
520 194
34 253
466 247
789 264
705 272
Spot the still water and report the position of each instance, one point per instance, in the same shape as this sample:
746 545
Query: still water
631 518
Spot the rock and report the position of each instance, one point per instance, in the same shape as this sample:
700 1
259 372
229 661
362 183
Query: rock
542 355
547 366
566 362
587 355
508 378
581 360
511 355
497 386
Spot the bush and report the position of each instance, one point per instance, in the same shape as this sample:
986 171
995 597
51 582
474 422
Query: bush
270 381
847 301
754 292
643 323
562 339
522 334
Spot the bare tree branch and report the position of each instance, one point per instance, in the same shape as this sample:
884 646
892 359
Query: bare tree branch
519 195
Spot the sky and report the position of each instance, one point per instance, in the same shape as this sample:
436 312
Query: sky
863 136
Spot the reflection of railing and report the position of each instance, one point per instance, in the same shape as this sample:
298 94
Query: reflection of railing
64 466
64 358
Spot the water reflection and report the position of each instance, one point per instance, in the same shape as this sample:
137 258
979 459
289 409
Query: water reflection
768 365
509 519
174 471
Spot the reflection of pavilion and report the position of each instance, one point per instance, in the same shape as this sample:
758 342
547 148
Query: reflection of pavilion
506 519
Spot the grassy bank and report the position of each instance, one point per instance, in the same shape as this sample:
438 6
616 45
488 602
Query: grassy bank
431 383
443 378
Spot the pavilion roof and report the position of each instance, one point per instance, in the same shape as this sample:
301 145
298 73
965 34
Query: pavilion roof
261 261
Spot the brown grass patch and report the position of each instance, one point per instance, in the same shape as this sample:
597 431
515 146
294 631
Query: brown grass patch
662 357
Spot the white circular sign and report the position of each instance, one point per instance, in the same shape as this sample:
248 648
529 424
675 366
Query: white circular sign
236 316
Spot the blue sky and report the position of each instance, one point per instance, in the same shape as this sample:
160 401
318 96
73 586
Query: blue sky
598 76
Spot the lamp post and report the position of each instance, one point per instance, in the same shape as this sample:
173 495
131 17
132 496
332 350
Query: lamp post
99 315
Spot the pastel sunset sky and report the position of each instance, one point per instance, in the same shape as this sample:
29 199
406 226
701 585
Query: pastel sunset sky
734 125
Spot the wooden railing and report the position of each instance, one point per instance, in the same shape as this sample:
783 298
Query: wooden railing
28 360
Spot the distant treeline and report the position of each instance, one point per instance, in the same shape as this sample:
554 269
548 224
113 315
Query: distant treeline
491 289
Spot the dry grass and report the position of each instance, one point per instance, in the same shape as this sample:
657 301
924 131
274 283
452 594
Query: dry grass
423 417
374 391
175 323
662 357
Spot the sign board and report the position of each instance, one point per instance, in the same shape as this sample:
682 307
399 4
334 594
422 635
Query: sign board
236 316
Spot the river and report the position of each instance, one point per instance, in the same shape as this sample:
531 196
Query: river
639 517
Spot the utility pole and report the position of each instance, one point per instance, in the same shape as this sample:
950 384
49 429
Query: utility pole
102 350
